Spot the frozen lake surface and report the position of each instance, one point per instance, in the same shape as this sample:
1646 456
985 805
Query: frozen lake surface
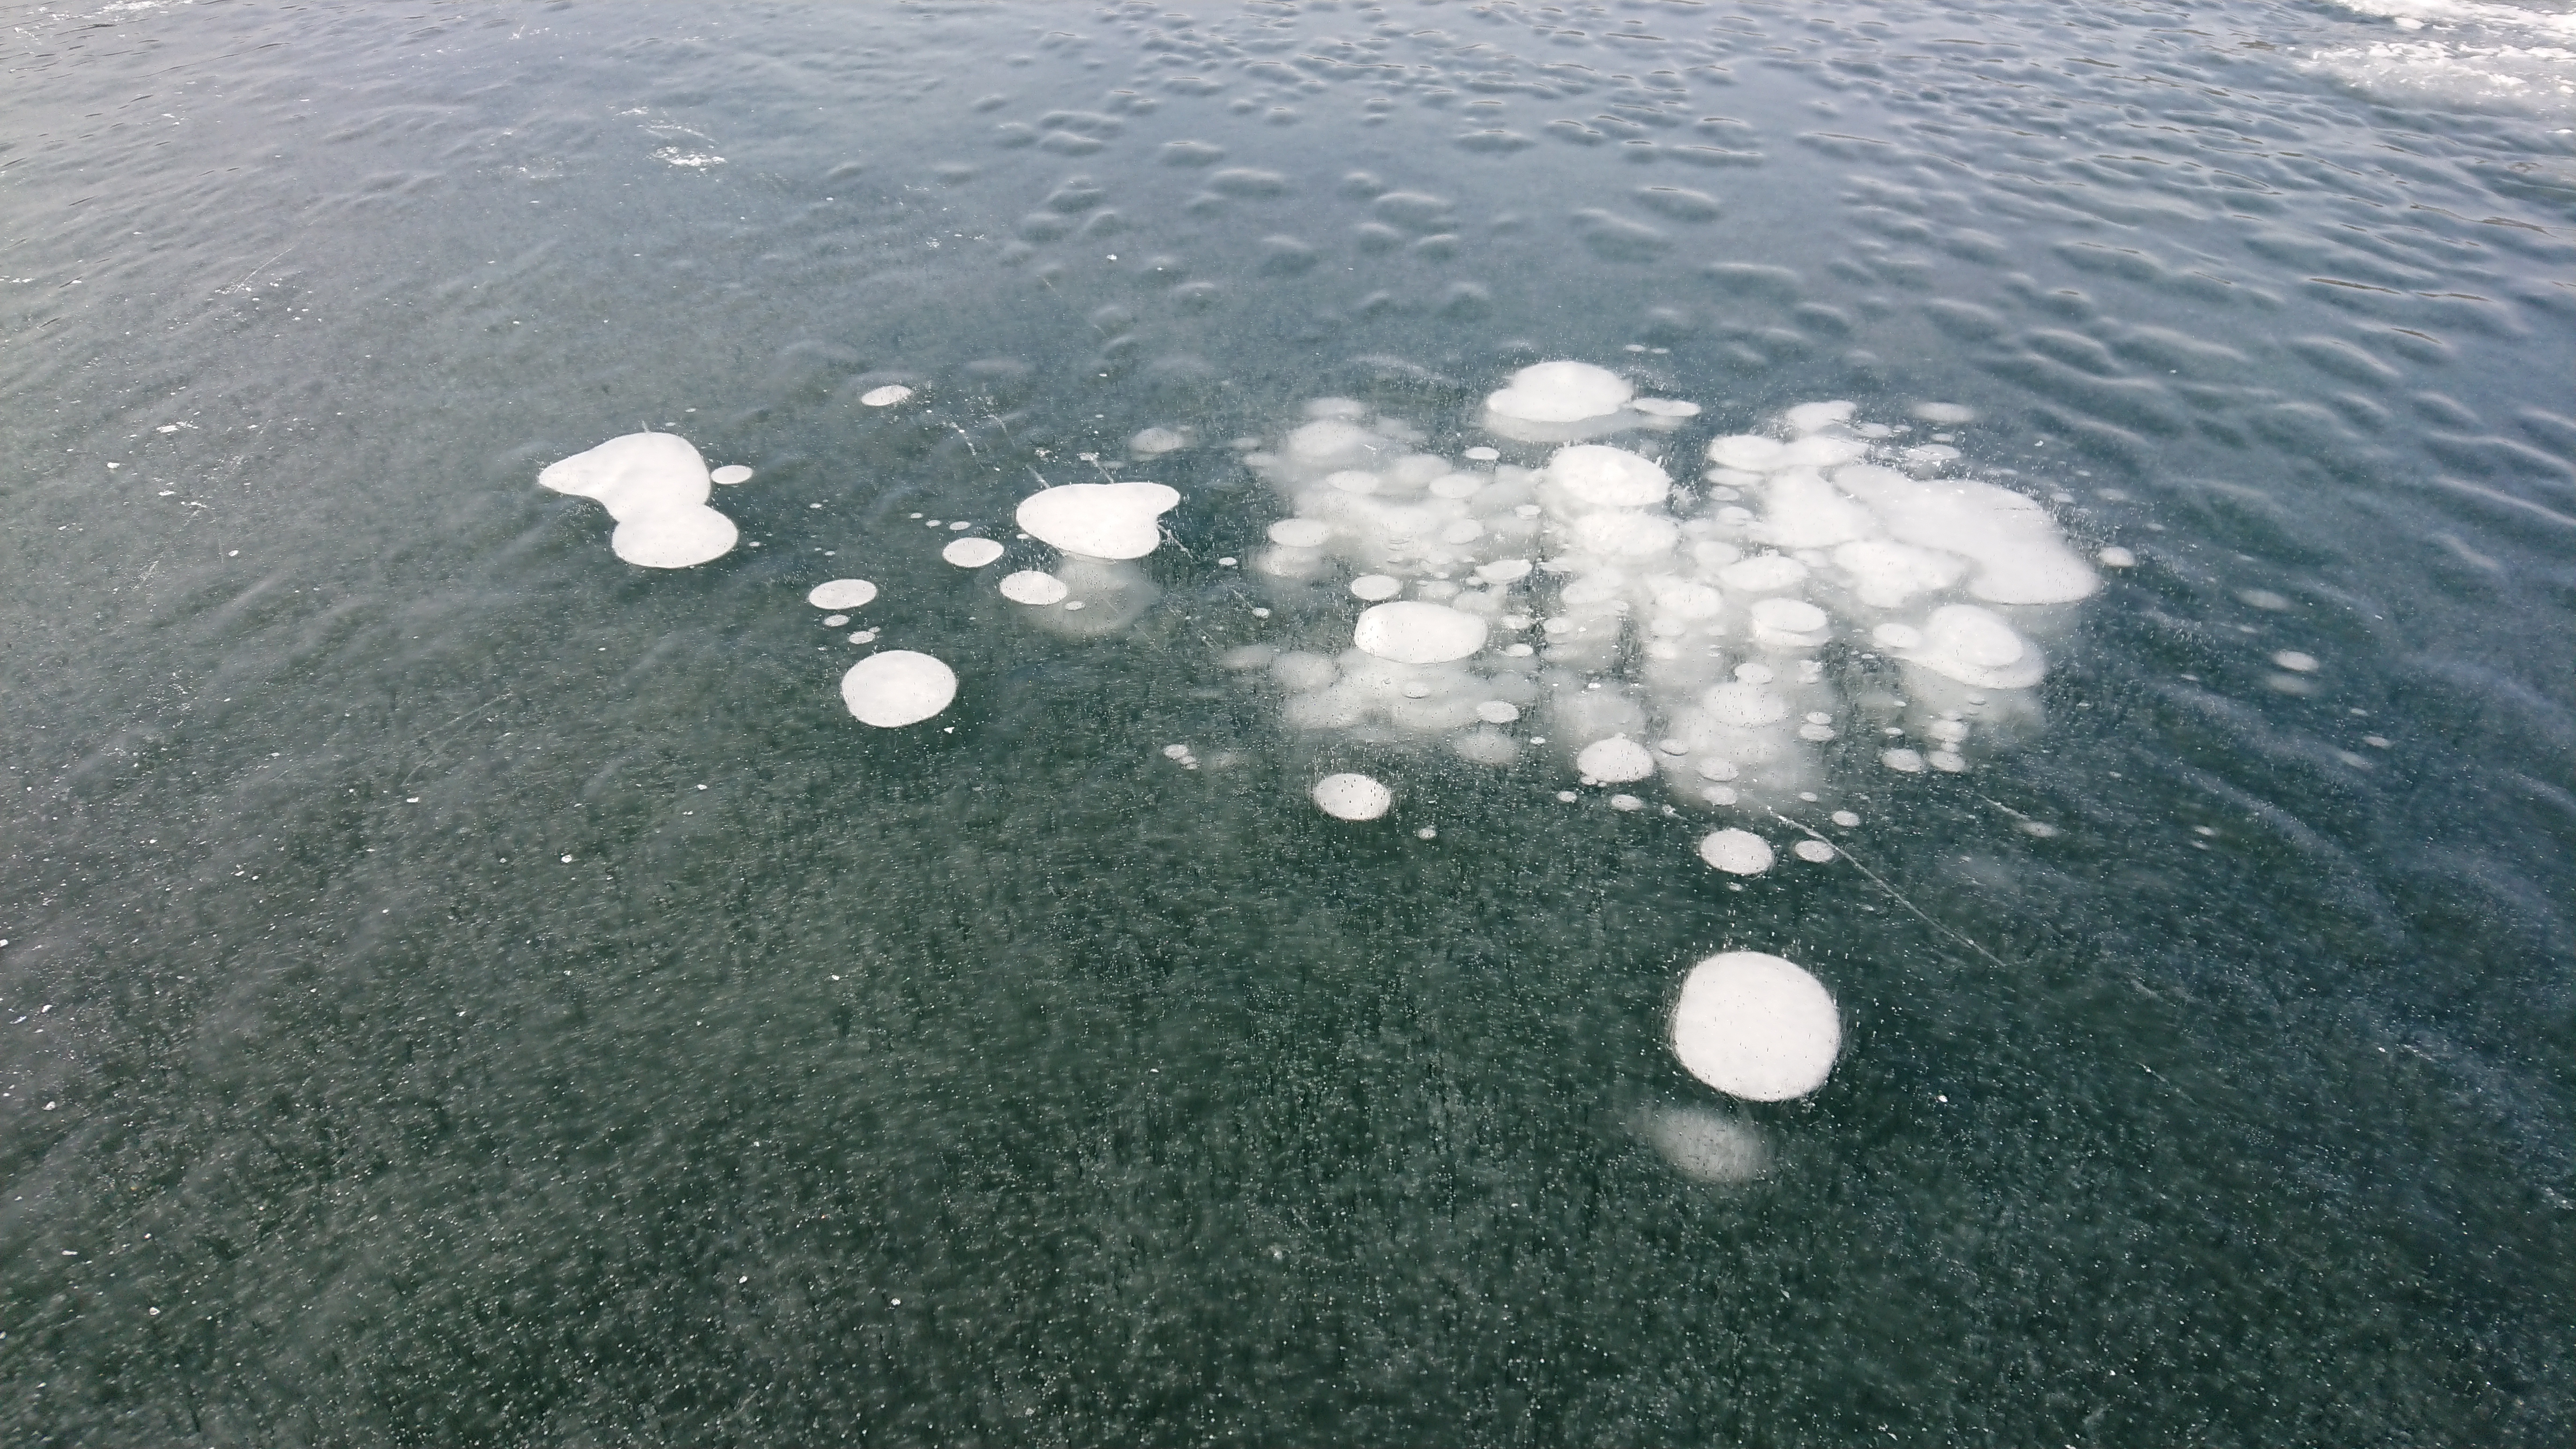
1297 723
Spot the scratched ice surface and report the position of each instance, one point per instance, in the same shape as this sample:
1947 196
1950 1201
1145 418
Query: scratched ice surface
1430 723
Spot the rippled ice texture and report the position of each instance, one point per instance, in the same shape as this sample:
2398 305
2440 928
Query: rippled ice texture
464 987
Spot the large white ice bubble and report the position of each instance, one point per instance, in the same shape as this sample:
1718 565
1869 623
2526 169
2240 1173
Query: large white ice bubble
1977 648
1352 797
1559 402
656 486
1607 477
1099 520
1755 1026
2019 554
1412 632
898 687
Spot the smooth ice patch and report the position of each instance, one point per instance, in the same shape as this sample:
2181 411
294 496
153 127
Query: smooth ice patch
655 485
886 396
1737 852
971 553
1755 1026
1034 587
1099 520
898 687
1352 797
1410 632
842 594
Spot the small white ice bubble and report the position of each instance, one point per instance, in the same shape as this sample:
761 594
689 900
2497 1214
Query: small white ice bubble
1813 850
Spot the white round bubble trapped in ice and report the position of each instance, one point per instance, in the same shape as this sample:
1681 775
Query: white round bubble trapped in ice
1737 852
655 485
1409 632
842 594
1607 477
1035 588
1099 520
731 474
1561 392
1755 1026
1615 761
971 553
897 688
1352 797
886 396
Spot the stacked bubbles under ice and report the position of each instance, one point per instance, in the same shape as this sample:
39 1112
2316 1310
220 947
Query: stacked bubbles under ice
1651 630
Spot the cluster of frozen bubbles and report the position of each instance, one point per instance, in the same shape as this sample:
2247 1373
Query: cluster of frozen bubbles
1553 590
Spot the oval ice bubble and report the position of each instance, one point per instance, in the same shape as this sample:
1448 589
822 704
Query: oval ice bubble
1977 648
1561 392
1352 797
1412 632
1099 520
886 396
1607 477
1737 852
1757 1027
896 688
1375 587
842 594
731 474
971 553
1615 761
1033 587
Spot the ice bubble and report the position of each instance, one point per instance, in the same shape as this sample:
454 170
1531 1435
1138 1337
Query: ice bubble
1560 392
1903 762
1352 797
1352 480
1483 746
1707 1146
1763 574
1626 802
1737 852
1615 761
1154 442
835 621
655 485
1418 633
2116 557
1815 417
842 594
1481 455
1620 533
1977 648
1746 452
1034 588
1607 477
1885 574
1801 510
886 396
1755 1026
2296 662
1846 819
897 688
730 474
1664 407
1496 711
1374 587
1813 850
1944 413
1300 533
2019 555
1711 767
1099 520
1789 623
1744 705
971 553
